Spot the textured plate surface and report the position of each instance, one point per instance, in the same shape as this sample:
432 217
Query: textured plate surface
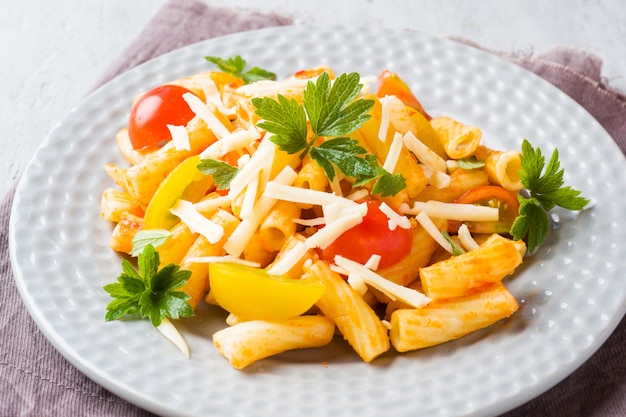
571 290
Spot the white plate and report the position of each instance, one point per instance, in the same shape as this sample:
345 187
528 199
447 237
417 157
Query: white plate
572 289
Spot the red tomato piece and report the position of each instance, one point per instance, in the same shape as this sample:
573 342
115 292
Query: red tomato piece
492 196
372 236
152 112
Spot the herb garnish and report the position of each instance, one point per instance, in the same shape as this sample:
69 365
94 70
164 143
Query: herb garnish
222 172
237 67
154 237
471 163
149 292
546 191
333 111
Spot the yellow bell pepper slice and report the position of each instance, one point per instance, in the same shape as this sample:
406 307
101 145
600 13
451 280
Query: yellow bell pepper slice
184 182
390 84
254 294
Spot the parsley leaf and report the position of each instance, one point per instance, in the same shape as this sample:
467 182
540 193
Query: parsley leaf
545 185
237 67
149 292
389 184
333 110
154 237
222 172
286 119
471 163
532 222
344 153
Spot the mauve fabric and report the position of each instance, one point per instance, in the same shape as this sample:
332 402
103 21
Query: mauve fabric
35 380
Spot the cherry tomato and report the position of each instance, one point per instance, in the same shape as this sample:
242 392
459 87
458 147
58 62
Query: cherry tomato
390 84
372 236
492 196
152 112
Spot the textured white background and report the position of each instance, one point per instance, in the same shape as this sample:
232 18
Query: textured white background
53 51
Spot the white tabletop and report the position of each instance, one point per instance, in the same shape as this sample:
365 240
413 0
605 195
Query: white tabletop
53 51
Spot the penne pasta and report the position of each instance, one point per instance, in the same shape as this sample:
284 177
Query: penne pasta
502 167
247 342
354 318
454 277
440 322
458 140
278 225
116 202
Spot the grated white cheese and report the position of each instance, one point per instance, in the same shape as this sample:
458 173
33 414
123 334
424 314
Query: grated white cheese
335 184
394 153
213 97
332 212
394 291
452 211
269 88
358 195
324 237
202 110
231 142
373 262
243 160
243 232
196 222
304 195
467 241
439 180
249 198
318 221
388 105
432 230
180 137
289 259
261 160
357 283
225 258
425 155
394 219
171 333
212 204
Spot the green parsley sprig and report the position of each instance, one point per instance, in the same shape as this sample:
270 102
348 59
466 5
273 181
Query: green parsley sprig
545 186
150 292
237 66
222 172
333 111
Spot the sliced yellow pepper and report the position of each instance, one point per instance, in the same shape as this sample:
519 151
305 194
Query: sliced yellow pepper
184 182
253 294
390 84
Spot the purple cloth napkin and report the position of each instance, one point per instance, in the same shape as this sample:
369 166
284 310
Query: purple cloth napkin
35 380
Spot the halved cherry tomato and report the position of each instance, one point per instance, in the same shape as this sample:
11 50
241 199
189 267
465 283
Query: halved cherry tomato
153 111
390 84
372 236
492 196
